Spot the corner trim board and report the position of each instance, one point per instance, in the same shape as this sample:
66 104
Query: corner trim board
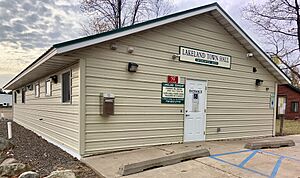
82 105
275 109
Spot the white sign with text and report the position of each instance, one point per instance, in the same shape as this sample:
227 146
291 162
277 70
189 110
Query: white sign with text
204 57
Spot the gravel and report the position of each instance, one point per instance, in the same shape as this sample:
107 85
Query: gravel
41 155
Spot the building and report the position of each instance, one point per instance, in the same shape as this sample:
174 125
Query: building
5 100
127 88
290 97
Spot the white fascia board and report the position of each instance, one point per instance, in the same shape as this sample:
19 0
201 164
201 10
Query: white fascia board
131 31
254 45
47 56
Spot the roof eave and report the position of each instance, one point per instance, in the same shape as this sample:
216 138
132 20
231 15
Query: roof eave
296 89
95 39
253 44
73 46
44 57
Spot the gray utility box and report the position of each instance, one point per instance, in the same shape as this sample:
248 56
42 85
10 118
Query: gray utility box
107 104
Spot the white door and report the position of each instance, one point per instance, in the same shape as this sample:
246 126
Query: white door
195 110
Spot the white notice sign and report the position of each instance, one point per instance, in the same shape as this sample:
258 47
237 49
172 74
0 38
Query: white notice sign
172 93
204 57
281 105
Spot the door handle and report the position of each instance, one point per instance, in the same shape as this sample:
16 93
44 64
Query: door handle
187 115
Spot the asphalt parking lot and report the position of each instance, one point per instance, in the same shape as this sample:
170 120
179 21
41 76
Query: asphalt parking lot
228 159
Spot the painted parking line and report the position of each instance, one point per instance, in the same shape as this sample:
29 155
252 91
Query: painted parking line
253 153
276 167
274 154
238 165
248 158
230 153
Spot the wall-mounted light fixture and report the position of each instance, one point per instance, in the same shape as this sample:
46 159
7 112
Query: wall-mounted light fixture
130 49
175 56
30 87
254 69
54 78
132 67
113 46
258 82
18 91
250 55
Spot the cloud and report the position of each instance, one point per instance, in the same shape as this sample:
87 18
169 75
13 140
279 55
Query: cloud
29 27
16 57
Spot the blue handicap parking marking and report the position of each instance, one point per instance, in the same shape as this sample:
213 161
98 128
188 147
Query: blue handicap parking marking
248 158
276 167
287 157
251 155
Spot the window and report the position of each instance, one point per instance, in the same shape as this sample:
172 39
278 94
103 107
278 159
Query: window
37 90
295 106
15 96
48 88
66 87
23 94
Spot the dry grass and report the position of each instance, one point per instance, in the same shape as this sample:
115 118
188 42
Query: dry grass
290 127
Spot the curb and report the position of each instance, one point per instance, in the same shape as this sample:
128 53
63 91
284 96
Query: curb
269 144
162 161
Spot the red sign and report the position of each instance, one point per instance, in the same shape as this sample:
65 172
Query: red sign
172 79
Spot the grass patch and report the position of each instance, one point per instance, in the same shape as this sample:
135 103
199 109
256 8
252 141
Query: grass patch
290 127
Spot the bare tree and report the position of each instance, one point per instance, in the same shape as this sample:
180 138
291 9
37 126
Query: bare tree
160 8
278 22
105 15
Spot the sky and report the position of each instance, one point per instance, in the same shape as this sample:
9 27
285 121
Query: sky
30 27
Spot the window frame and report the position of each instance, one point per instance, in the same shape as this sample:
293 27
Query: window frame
23 95
70 87
15 97
292 106
50 89
37 93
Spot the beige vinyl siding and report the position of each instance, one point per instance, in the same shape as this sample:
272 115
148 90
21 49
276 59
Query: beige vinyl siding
234 103
60 121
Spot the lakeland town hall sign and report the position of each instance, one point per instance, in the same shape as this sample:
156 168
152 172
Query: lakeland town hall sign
204 57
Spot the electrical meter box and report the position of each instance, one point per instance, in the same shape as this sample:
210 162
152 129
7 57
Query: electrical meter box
107 104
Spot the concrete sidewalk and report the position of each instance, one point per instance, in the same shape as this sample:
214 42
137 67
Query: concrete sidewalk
109 164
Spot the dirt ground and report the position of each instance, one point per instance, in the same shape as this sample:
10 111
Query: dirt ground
42 156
